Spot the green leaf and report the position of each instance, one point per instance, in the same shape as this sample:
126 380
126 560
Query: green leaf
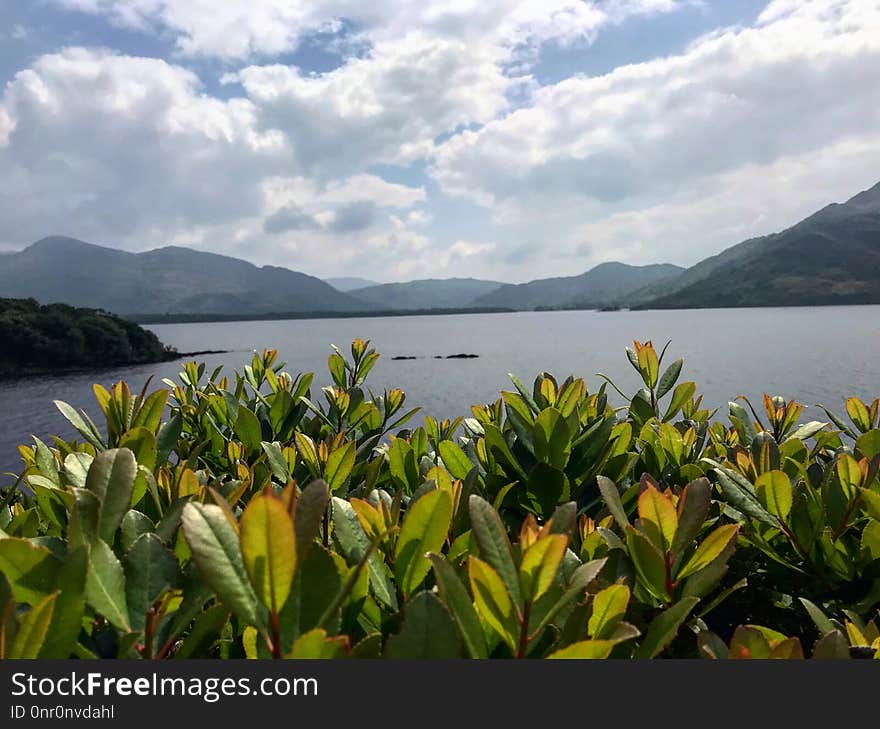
492 600
574 591
149 570
111 479
540 563
664 628
317 645
309 515
857 411
105 586
167 437
710 548
80 425
743 421
649 563
741 500
205 632
493 543
832 646
455 459
773 489
693 508
682 394
354 544
427 632
609 608
268 548
871 503
868 444
33 629
339 466
215 550
669 378
69 607
30 570
585 649
247 428
824 625
552 438
456 598
277 461
611 496
424 530
316 585
658 516
134 524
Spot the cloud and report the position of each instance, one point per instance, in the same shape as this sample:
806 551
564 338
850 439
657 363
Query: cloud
387 107
241 29
114 147
734 104
353 217
288 218
744 131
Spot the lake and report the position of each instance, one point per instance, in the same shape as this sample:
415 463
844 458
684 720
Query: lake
815 355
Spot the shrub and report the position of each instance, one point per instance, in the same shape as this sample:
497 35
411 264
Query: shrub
254 516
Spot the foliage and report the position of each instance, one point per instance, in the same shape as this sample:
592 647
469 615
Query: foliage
57 337
256 516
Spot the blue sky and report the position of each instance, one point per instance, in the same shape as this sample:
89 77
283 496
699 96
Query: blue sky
507 139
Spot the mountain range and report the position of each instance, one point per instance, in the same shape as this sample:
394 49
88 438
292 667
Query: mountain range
168 280
831 257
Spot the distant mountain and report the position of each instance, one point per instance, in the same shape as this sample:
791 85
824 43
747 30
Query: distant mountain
605 285
164 280
449 293
350 283
831 257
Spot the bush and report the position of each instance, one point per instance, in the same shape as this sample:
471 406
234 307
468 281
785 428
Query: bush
57 337
238 517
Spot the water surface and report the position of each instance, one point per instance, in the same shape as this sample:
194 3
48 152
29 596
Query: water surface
815 355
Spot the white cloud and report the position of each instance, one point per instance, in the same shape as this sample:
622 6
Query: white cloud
388 107
737 102
742 133
239 29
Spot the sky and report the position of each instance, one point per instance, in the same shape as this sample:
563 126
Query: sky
401 139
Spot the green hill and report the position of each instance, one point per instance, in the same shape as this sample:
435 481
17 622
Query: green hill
831 257
165 280
450 293
605 285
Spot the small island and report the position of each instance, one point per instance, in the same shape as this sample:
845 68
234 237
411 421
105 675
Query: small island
39 338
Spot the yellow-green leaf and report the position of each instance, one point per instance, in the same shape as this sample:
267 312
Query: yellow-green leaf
424 530
491 599
32 631
773 489
268 546
659 517
710 548
585 649
540 564
339 466
609 607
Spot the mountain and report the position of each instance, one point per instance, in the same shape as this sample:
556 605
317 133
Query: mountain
831 257
449 293
350 283
605 285
165 280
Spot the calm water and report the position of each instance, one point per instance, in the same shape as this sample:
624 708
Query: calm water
815 355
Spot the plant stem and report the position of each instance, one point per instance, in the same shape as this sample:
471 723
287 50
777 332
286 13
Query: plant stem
275 626
524 630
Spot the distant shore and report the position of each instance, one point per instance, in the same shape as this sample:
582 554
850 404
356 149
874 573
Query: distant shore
278 316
